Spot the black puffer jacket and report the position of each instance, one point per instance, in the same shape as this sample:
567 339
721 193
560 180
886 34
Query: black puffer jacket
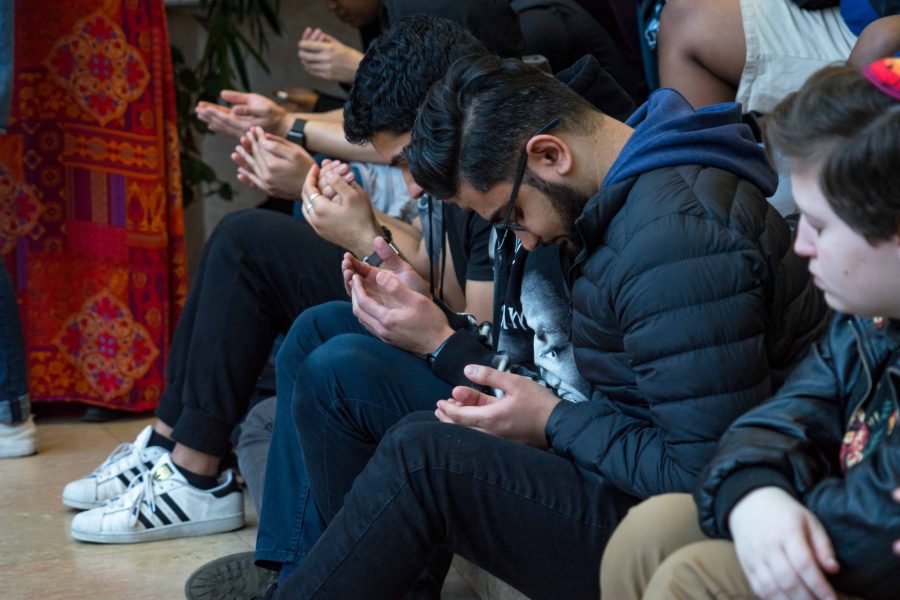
689 308
793 441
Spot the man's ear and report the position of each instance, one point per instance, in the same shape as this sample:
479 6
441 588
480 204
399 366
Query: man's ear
549 156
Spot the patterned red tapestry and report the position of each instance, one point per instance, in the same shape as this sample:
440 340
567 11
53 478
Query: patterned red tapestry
90 200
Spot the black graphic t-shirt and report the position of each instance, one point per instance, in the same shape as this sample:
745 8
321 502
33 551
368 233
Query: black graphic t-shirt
533 318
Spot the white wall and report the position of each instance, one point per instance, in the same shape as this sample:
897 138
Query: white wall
203 215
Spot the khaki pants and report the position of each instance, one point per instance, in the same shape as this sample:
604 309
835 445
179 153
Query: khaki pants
659 553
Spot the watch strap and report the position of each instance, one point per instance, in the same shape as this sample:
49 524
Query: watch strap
297 133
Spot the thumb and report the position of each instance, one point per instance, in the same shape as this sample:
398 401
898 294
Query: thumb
390 284
821 544
489 377
389 259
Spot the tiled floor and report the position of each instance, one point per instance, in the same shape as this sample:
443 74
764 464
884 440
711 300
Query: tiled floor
38 559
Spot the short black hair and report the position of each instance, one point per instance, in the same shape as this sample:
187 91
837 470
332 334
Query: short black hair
475 122
493 22
397 71
842 125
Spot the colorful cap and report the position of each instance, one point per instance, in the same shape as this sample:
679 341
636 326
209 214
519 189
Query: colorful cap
885 74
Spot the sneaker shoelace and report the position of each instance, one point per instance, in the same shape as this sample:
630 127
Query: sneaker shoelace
139 491
121 452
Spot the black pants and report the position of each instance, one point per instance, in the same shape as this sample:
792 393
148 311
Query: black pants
260 270
530 517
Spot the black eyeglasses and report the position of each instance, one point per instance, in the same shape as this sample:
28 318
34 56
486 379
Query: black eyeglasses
505 225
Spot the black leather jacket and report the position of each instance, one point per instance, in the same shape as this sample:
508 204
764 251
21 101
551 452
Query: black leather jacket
793 442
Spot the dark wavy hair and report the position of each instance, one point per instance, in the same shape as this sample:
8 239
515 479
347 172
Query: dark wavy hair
475 122
397 71
842 125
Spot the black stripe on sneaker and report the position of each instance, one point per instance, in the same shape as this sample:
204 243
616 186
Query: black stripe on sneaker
233 486
124 479
148 464
145 521
162 516
135 470
175 508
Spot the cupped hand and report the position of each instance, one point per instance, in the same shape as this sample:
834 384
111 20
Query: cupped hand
782 546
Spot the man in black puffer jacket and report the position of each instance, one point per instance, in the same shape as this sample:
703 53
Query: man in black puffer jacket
688 307
806 485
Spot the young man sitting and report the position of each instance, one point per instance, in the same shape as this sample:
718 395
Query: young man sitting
689 307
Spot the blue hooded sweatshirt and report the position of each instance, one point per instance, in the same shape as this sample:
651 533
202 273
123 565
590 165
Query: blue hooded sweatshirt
669 132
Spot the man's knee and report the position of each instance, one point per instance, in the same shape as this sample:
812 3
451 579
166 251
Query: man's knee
308 333
339 365
413 439
651 530
678 16
685 22
707 569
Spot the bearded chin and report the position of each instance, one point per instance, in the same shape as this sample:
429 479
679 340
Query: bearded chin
567 202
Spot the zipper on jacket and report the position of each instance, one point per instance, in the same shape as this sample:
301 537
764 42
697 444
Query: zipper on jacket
895 371
865 363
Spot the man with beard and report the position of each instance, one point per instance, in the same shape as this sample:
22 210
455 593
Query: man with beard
689 307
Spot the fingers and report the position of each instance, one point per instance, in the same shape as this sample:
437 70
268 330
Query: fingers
802 559
234 97
363 306
356 265
463 395
313 47
477 417
489 377
821 546
244 179
309 184
247 158
341 186
223 121
351 266
253 179
896 495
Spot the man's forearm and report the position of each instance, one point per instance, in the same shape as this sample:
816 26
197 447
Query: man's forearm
327 137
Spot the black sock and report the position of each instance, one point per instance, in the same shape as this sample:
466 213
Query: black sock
158 439
201 482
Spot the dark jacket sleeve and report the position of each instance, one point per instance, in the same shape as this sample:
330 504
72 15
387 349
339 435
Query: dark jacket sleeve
690 305
791 441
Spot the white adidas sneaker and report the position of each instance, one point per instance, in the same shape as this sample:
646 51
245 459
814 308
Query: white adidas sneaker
159 505
125 464
19 439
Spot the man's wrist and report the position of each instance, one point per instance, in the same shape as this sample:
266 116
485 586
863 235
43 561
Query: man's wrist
283 125
437 343
363 246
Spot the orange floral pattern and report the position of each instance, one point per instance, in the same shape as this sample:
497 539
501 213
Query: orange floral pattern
107 345
19 209
90 200
100 68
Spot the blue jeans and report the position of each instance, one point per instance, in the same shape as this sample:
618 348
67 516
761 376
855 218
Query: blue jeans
14 405
530 517
343 389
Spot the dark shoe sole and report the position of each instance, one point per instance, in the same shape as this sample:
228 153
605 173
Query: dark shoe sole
232 577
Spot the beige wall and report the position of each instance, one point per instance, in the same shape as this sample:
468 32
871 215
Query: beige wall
201 217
